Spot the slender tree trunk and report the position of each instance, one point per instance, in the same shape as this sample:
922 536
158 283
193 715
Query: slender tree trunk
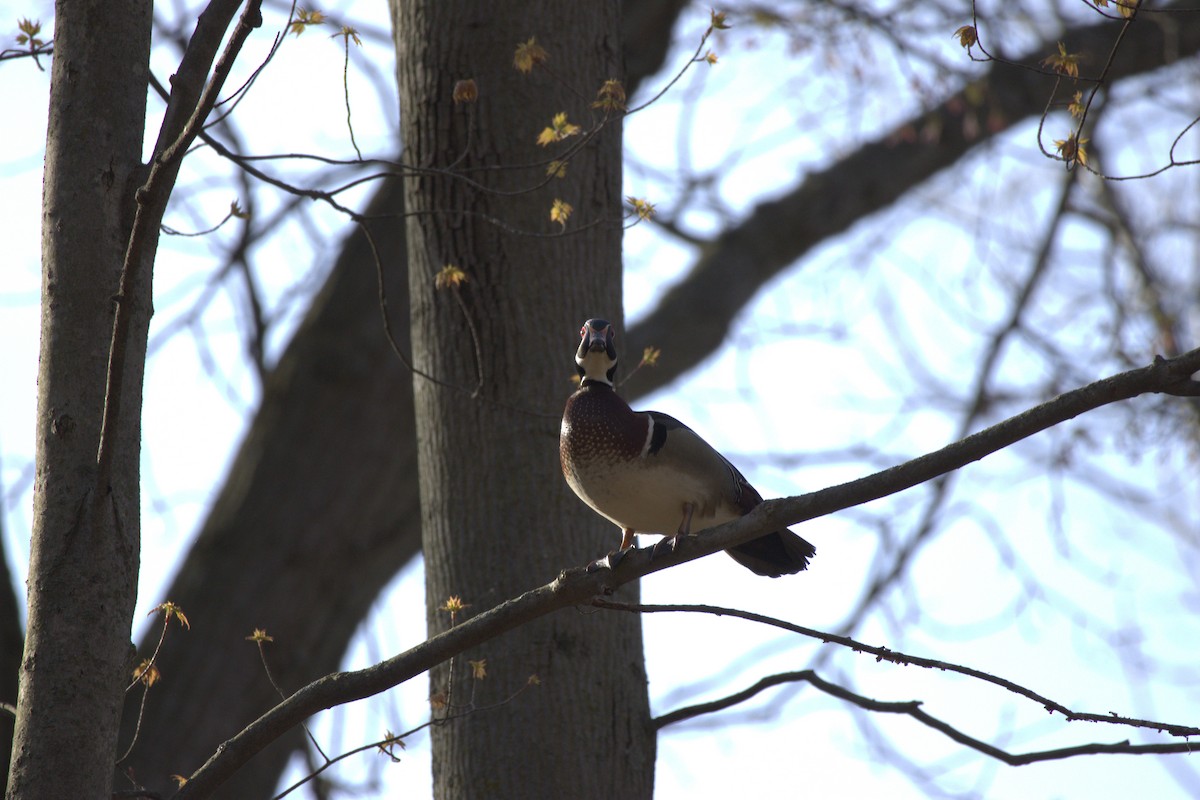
12 642
84 554
497 518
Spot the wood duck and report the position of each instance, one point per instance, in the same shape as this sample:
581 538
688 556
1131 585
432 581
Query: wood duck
648 472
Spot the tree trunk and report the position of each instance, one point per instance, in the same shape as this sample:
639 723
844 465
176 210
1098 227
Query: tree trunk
497 518
12 642
85 547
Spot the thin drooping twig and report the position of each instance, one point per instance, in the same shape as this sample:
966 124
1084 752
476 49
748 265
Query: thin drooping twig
394 739
347 33
260 639
579 584
912 708
881 654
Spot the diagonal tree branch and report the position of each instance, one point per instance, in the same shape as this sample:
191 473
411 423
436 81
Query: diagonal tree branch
579 585
693 317
186 112
886 576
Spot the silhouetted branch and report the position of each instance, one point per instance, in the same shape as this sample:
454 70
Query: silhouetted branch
912 708
881 654
694 316
192 98
580 585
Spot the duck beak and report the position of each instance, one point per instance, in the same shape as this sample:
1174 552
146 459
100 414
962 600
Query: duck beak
598 338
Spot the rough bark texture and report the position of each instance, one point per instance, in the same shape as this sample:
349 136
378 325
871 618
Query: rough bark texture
494 520
12 642
85 547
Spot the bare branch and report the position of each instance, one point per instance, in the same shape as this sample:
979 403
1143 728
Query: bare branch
693 317
579 585
185 116
881 654
912 708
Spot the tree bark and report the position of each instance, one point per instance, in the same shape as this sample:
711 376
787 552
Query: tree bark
498 350
86 538
12 642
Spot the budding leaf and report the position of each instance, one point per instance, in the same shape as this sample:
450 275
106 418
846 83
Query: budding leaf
967 36
450 276
560 212
1063 63
528 54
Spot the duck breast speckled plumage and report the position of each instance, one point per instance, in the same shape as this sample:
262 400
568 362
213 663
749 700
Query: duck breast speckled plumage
647 472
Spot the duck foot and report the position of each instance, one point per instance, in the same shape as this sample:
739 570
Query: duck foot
666 545
610 561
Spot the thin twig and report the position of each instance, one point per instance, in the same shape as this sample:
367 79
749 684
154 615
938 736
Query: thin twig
398 738
261 641
346 34
912 708
885 654
137 728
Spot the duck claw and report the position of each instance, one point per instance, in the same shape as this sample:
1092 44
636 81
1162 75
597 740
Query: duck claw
609 562
666 545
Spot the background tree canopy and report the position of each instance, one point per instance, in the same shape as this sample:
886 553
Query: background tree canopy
869 239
